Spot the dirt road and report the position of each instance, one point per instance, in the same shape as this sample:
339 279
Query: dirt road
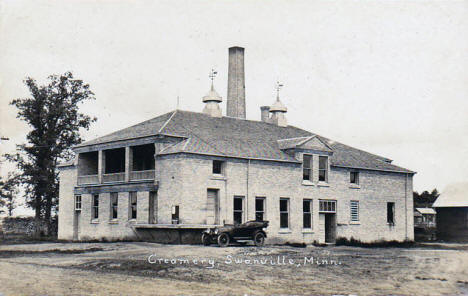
155 269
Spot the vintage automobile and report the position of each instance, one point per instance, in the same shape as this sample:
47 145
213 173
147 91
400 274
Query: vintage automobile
240 233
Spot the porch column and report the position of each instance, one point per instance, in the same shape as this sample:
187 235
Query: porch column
128 162
101 164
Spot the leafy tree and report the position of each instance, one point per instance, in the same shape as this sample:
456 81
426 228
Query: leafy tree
52 114
8 194
425 199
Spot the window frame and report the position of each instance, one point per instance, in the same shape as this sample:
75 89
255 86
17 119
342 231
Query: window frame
221 167
323 169
263 212
356 177
309 168
307 213
284 213
95 207
327 206
114 207
354 217
234 211
132 207
78 203
391 219
175 214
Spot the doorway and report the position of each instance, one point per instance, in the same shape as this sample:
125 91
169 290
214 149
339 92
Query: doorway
330 228
212 207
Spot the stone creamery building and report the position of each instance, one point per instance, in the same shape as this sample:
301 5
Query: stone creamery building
168 178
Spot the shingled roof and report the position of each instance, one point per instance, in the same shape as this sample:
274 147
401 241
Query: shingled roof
240 138
454 195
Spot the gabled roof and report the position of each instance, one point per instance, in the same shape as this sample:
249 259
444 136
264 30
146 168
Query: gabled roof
426 211
310 142
454 195
240 138
144 129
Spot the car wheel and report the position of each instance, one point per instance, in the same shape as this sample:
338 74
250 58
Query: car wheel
223 240
206 239
259 239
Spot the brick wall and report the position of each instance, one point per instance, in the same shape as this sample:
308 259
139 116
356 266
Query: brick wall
184 180
67 177
187 188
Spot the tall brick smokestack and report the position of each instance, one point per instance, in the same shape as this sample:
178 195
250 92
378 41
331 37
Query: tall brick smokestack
236 83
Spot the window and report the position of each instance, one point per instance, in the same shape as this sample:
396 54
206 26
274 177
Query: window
307 213
390 212
238 209
175 214
132 206
217 167
284 212
259 208
95 207
354 178
307 167
323 168
327 206
114 200
354 207
77 202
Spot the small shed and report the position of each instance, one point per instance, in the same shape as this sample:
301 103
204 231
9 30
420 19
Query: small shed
424 224
452 213
424 217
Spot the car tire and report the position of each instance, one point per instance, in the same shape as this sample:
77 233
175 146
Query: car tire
223 240
259 239
206 239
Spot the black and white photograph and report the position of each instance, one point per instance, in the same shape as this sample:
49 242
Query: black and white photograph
244 147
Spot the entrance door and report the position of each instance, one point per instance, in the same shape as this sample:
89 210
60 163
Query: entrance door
330 228
152 206
212 207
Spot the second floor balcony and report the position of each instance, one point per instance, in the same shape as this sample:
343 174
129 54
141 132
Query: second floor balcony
120 165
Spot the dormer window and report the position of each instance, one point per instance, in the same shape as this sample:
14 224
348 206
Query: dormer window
354 178
323 168
307 167
218 167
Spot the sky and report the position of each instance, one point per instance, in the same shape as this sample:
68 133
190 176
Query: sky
388 77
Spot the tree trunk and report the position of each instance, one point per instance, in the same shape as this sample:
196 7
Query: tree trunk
47 216
37 220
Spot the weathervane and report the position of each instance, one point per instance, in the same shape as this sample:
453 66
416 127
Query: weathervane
212 76
278 88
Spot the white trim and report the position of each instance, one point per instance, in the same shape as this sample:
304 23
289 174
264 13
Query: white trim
167 121
307 183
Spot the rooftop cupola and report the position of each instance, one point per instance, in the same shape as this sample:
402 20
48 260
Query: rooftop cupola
278 110
212 99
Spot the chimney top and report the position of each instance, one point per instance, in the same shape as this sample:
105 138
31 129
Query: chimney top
236 83
264 113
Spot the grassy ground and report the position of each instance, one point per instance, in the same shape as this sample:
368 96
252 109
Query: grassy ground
129 269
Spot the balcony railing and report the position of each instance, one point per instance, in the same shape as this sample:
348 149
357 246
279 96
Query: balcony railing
115 177
424 224
88 179
142 175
